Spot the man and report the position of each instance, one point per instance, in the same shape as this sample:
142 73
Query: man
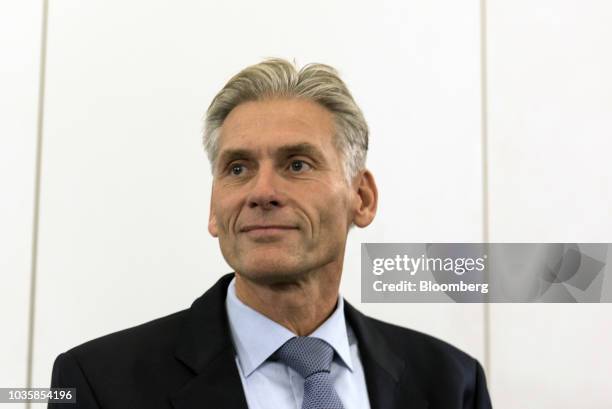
288 151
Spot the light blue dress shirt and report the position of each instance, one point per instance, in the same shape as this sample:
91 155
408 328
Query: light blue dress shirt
273 385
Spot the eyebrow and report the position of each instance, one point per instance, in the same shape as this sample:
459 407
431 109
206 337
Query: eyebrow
233 154
304 148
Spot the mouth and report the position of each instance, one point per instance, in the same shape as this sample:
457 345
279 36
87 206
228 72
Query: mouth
266 228
267 232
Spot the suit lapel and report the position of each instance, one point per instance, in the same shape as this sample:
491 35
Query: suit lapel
205 346
218 386
389 380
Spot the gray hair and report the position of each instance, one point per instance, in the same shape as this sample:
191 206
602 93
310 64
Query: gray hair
278 78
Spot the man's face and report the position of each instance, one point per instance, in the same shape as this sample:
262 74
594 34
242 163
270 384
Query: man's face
280 205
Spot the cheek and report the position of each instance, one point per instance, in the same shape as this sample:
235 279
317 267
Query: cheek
223 209
334 211
225 220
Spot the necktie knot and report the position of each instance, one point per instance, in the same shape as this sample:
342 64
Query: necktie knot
306 355
312 357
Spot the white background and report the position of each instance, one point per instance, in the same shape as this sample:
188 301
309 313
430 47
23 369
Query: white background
489 121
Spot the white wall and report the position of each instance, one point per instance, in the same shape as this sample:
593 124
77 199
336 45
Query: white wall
20 35
550 129
125 183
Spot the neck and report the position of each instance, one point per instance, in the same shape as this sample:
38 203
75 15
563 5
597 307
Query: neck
300 305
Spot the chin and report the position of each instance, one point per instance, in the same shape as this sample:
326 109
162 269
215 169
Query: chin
271 270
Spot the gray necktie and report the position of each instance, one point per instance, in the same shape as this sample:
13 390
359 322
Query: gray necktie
311 358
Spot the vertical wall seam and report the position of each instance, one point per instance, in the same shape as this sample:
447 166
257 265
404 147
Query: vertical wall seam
484 126
37 175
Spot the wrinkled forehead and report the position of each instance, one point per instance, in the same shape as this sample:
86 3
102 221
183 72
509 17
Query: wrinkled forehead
277 125
291 115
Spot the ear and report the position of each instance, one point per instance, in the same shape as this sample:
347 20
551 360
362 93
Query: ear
366 198
212 221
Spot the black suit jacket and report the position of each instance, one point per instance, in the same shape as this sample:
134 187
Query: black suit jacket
187 361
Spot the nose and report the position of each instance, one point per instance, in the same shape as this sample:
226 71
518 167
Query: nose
264 192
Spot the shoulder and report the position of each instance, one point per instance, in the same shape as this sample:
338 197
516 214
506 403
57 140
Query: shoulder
448 376
411 343
125 366
424 354
154 344
158 334
138 349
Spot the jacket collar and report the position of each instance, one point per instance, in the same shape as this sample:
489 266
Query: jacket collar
205 347
391 382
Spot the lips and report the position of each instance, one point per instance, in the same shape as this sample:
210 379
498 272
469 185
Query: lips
266 227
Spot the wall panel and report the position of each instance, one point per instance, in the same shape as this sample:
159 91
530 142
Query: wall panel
20 36
550 121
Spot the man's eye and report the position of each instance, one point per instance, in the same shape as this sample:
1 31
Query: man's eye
237 169
299 166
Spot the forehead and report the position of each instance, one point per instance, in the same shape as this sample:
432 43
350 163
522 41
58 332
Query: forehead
271 123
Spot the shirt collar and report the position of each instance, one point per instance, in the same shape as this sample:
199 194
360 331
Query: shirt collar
256 336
